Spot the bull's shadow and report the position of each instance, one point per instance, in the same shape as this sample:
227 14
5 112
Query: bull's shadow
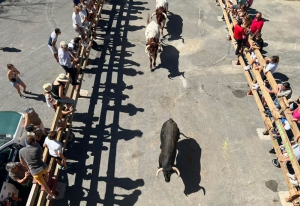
174 27
188 162
170 60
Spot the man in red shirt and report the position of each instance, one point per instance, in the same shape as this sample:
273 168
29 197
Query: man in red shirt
257 24
238 34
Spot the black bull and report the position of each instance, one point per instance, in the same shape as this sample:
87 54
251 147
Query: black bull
169 137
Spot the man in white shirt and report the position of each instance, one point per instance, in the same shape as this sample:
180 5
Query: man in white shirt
52 42
83 15
77 25
64 57
55 149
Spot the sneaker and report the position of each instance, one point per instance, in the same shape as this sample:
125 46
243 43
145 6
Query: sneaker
224 7
217 4
272 151
49 197
247 67
21 95
275 163
255 86
84 45
68 166
273 131
27 92
294 182
291 176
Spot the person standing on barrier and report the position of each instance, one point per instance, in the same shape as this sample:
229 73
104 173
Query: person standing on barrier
31 158
52 42
65 61
238 36
58 90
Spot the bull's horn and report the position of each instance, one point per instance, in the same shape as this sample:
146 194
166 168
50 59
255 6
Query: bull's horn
177 170
164 15
146 49
152 15
158 171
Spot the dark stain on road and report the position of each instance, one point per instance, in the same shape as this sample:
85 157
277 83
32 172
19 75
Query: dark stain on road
239 93
136 154
272 185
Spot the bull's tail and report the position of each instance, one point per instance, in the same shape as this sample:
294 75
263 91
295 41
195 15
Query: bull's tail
148 19
183 135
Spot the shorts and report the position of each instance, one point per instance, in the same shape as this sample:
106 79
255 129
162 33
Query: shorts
254 56
235 6
39 177
17 82
72 101
52 49
80 31
58 158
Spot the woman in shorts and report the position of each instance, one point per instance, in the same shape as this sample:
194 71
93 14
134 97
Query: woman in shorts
15 81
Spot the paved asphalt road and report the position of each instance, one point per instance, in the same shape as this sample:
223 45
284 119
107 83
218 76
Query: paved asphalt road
116 145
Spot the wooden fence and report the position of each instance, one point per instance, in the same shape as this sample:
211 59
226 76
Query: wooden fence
254 76
37 196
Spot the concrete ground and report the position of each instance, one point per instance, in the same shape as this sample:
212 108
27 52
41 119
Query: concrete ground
116 145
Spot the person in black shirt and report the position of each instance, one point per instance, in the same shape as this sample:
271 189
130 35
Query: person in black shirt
258 42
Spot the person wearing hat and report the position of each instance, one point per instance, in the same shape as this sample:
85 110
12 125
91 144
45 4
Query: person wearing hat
48 96
58 90
31 117
64 57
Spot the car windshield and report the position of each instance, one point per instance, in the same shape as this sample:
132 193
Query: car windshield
4 139
9 122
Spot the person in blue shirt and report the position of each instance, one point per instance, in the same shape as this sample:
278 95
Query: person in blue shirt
52 42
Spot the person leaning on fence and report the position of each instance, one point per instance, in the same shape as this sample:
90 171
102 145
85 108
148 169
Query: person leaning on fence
257 24
77 25
65 61
52 42
234 7
296 115
15 81
294 104
31 158
238 36
258 44
83 15
19 173
58 90
55 150
11 201
31 117
276 135
48 96
284 157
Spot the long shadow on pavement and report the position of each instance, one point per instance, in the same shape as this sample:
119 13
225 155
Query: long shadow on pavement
95 134
188 161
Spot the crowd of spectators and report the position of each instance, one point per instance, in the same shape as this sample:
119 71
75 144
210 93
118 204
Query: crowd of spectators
31 166
247 33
